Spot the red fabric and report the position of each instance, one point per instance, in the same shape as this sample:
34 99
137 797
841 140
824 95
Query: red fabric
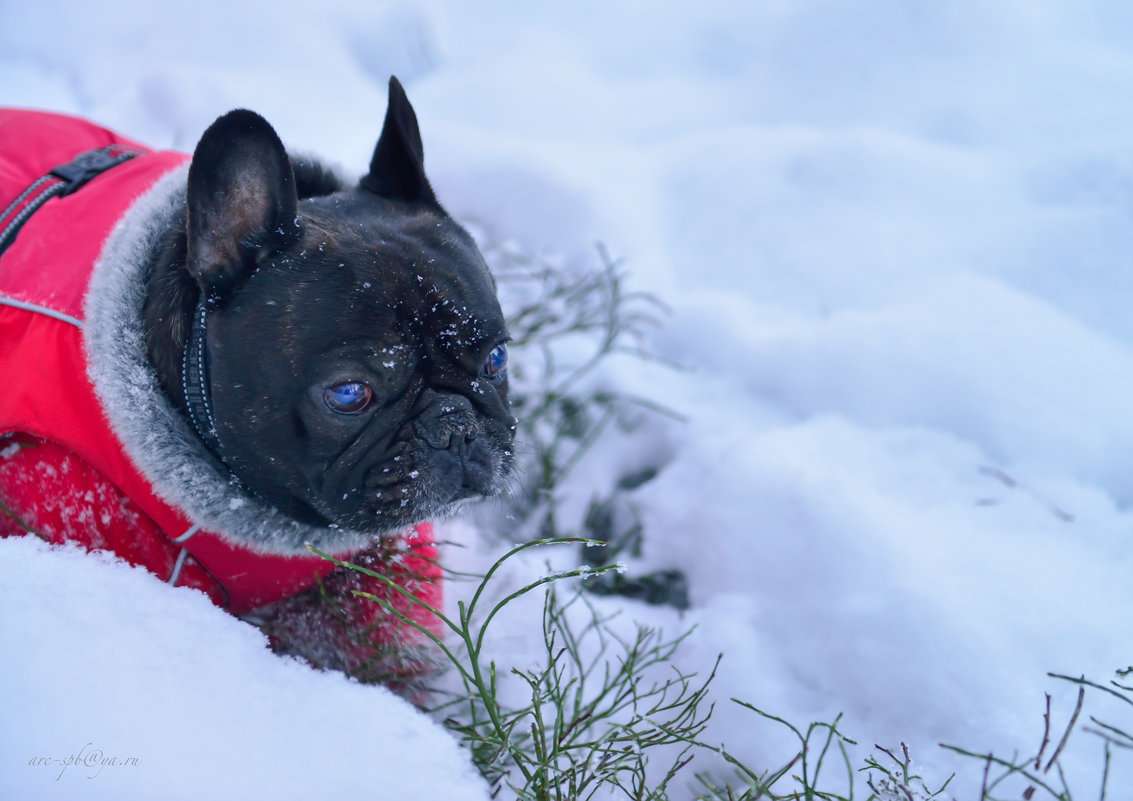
61 241
60 497
64 472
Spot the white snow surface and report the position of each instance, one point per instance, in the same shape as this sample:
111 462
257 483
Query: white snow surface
897 242
104 664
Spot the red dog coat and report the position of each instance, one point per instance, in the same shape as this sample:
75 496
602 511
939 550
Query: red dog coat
81 445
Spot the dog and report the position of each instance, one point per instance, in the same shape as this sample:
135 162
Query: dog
286 359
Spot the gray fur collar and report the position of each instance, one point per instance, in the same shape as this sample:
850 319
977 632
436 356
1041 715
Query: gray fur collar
156 437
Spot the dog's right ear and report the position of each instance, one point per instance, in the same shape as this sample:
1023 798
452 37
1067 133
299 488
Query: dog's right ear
241 200
397 169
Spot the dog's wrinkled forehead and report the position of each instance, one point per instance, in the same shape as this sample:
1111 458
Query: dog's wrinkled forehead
416 262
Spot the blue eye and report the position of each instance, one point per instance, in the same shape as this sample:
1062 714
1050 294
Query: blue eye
497 362
348 398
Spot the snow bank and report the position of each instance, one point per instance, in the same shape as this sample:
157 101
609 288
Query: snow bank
104 662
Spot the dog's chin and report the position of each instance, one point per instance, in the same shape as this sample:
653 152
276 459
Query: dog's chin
378 514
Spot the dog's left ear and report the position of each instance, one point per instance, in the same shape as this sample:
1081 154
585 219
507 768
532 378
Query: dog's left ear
241 200
397 170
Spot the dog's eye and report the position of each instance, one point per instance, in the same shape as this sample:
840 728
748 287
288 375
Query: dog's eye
348 398
497 361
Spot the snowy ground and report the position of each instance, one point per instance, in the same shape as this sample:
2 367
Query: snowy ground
896 237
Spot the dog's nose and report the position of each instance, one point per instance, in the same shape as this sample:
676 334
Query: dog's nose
448 424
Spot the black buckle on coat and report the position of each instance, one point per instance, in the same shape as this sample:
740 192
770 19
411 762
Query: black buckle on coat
85 166
59 181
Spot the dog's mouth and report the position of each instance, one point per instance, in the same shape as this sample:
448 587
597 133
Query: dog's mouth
427 475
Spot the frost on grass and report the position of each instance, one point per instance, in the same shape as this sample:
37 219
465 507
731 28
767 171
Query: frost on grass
607 712
572 327
584 721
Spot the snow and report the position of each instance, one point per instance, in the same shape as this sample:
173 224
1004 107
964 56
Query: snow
896 241
112 663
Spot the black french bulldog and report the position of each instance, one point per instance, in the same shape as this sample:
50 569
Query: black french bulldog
344 352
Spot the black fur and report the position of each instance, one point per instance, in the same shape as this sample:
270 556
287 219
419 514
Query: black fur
313 284
397 169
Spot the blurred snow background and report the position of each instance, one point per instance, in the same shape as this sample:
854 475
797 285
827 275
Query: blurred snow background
896 238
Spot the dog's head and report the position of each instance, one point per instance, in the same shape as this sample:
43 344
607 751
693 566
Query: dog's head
348 360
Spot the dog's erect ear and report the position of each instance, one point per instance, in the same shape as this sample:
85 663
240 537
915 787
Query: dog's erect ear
397 169
241 200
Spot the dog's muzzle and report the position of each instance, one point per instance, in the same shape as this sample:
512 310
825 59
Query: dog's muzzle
460 455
